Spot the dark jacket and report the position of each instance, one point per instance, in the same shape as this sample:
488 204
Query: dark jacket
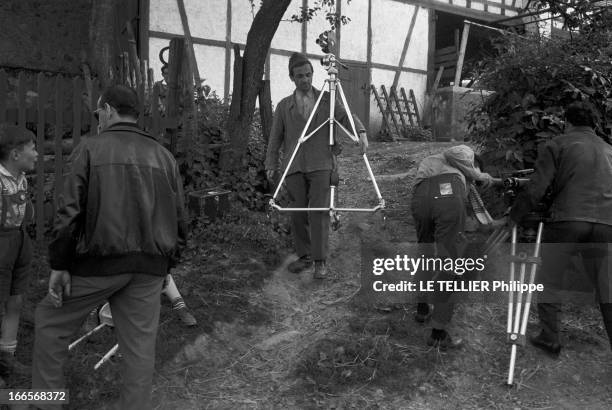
578 167
287 126
122 209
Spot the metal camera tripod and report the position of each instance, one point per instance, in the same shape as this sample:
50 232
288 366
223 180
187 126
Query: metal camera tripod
518 312
334 85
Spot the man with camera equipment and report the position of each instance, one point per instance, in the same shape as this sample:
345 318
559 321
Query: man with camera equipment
308 179
577 169
439 202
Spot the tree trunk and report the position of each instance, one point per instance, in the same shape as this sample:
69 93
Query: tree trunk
102 42
258 43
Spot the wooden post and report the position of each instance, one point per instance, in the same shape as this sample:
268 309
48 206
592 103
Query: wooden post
464 39
190 51
59 125
415 106
237 94
133 53
3 96
40 162
21 98
95 85
406 44
175 68
155 123
437 80
76 110
265 109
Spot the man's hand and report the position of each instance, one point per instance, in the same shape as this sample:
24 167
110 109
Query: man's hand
59 286
363 141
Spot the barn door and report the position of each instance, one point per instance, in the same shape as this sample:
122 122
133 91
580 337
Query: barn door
356 85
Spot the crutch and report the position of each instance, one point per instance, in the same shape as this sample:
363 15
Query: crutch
106 319
518 314
499 235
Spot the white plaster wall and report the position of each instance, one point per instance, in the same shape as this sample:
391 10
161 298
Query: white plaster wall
417 54
207 19
390 24
288 36
211 64
313 28
242 17
354 35
164 16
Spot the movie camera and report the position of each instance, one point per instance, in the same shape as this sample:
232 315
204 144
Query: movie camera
514 182
327 42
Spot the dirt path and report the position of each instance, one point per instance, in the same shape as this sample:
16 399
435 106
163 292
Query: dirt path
322 348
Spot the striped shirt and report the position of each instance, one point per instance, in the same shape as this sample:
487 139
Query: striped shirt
13 198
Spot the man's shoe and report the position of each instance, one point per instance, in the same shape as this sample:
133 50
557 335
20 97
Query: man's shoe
186 317
543 342
423 313
180 308
9 365
320 270
300 265
445 342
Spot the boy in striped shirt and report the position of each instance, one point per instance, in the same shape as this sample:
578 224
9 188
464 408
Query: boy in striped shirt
17 155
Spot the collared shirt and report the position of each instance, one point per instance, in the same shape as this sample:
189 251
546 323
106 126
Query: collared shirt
305 102
287 126
13 198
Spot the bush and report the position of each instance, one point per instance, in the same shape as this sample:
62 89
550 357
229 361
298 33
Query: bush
199 160
534 79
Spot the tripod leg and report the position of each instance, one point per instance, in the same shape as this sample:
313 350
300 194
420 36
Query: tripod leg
300 141
348 113
534 266
511 308
512 364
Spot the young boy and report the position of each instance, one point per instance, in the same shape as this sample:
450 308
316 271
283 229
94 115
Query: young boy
17 155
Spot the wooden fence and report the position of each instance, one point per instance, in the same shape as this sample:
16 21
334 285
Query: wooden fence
60 111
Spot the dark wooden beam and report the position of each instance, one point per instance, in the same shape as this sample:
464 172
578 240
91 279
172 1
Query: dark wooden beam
143 29
460 10
280 52
228 50
406 44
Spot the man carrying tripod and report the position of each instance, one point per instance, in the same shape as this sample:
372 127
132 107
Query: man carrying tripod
577 166
308 179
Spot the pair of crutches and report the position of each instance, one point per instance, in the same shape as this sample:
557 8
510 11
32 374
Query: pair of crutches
106 319
518 311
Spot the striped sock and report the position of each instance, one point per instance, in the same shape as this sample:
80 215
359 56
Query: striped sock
8 347
178 303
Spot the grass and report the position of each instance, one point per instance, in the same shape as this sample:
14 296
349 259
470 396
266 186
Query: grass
223 265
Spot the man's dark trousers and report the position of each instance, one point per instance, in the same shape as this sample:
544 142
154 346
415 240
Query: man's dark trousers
562 241
135 302
310 229
438 209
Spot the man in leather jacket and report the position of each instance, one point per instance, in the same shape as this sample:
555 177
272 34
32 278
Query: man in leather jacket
577 167
119 228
